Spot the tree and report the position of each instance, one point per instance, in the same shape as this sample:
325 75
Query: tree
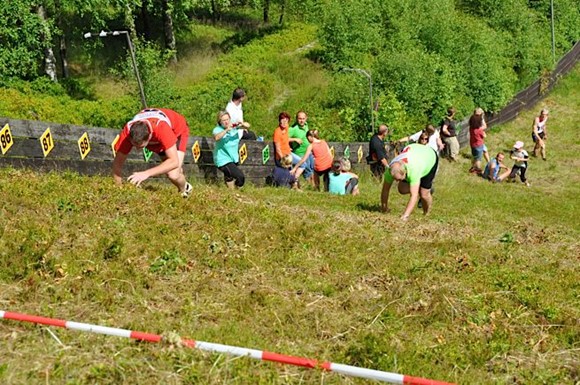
22 45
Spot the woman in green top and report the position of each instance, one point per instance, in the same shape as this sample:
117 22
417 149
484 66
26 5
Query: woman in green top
225 152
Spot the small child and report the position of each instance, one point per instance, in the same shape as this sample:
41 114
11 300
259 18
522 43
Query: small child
342 181
520 156
281 176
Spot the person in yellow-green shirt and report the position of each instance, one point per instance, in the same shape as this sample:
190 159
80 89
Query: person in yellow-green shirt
414 169
299 143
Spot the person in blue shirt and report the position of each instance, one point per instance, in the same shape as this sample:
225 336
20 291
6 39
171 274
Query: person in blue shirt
281 175
493 169
342 181
225 153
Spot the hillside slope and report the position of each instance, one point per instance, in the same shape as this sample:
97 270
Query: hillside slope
483 291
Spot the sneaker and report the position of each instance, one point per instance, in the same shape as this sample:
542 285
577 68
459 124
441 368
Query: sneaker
187 191
527 184
420 204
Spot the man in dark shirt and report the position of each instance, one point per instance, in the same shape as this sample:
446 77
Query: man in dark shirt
377 158
449 135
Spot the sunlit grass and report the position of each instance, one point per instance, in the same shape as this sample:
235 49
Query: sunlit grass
485 290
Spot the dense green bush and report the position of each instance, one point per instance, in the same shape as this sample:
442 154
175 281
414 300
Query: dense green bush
434 54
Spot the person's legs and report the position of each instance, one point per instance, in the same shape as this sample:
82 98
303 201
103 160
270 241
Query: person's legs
176 176
485 153
233 176
523 174
536 145
477 153
308 168
502 176
513 172
316 180
326 179
352 186
295 160
426 199
453 148
378 170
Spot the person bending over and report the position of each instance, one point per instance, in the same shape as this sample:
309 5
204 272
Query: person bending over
162 131
414 169
322 159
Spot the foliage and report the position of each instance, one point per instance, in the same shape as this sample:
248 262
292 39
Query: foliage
21 43
439 53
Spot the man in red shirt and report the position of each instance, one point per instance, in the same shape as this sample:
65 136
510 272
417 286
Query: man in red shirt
162 131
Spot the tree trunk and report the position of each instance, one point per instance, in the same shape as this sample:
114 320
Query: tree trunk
130 23
214 11
168 30
63 57
266 11
49 58
282 11
146 24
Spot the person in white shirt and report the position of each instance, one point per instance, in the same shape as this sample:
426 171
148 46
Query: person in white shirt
540 134
520 157
234 109
434 138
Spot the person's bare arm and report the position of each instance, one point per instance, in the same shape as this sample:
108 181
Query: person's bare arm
170 163
118 163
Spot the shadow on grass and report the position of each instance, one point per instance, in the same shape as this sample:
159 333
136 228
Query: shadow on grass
375 208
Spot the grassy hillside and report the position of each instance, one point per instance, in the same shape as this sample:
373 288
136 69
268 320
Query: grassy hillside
484 291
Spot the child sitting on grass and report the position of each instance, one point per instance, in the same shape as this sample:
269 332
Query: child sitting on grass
342 181
520 156
281 176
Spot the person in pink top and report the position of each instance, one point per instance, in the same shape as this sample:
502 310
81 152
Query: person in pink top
477 127
322 159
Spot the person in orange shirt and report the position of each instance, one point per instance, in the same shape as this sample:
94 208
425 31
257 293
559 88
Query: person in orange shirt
281 138
322 159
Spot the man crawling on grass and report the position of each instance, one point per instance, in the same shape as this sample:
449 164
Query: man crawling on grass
161 131
414 169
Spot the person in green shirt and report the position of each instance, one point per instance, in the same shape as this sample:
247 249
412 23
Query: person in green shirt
299 144
414 169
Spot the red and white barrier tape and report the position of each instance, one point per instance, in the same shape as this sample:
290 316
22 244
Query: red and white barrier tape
347 370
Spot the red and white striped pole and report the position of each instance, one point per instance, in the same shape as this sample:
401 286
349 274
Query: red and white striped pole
347 370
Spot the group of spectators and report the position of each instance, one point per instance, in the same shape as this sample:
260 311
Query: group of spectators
300 152
416 166
495 169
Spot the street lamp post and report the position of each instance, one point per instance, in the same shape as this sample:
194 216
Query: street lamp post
368 76
552 28
131 50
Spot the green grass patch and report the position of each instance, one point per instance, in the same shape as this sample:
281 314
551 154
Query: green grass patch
485 290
